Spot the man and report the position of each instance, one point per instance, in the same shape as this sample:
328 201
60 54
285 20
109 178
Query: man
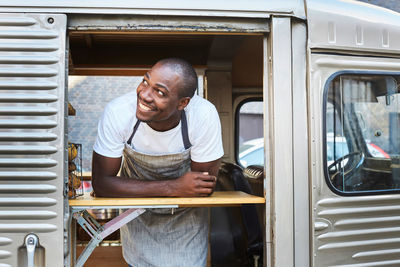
169 142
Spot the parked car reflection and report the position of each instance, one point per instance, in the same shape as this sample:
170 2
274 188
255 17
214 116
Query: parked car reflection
251 152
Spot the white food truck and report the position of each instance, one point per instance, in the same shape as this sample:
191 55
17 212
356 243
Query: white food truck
324 75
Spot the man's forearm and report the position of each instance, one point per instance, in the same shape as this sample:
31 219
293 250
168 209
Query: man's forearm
193 183
115 186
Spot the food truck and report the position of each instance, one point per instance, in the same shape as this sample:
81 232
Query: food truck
320 78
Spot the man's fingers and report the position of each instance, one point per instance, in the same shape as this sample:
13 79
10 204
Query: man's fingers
206 177
206 184
204 191
212 179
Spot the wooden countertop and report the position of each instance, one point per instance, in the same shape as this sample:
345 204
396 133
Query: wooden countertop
219 198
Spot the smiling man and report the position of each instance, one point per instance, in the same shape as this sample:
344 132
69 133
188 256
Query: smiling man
169 142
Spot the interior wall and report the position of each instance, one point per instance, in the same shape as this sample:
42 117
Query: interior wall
219 92
247 64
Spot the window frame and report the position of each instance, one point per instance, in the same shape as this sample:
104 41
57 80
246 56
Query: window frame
324 137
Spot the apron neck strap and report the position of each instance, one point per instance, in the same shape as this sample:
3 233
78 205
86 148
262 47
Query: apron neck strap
184 130
133 132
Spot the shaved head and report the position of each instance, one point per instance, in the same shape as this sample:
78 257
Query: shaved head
184 69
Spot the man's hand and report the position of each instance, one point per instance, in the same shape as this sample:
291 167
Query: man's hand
193 184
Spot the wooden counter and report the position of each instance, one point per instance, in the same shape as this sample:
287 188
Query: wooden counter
135 207
220 198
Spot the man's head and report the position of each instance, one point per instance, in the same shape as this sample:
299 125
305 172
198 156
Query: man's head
188 76
165 90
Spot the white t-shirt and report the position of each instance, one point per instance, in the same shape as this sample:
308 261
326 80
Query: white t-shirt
119 117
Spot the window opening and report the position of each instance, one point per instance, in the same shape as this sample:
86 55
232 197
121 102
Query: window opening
362 140
250 133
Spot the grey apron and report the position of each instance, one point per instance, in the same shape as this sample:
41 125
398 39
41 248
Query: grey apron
160 237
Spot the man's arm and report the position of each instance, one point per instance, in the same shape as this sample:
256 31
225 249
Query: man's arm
196 183
211 167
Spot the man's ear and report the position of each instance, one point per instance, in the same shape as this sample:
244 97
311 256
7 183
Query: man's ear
183 102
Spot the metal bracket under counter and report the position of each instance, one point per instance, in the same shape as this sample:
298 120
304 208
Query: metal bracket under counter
98 232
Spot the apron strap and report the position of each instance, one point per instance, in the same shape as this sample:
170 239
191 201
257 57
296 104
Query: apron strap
133 132
184 130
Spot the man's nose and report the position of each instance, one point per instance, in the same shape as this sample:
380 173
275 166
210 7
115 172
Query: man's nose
145 94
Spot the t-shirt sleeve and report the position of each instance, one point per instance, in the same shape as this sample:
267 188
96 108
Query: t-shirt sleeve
109 141
207 141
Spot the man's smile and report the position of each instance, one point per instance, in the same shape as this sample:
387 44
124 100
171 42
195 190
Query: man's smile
145 107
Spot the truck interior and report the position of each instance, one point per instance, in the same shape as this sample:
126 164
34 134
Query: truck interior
230 68
362 147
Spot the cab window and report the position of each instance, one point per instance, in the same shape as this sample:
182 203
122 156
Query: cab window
362 133
250 139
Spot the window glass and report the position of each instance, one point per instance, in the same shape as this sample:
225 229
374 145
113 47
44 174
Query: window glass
254 157
362 148
250 134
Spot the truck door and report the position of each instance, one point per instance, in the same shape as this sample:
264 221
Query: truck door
32 140
355 148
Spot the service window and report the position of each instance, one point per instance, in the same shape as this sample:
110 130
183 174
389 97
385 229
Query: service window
362 133
249 118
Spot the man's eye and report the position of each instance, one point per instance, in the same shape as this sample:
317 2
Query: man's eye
161 93
145 82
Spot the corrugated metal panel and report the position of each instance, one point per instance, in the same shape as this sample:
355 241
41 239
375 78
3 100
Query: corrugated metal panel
28 59
27 175
17 21
29 34
38 46
28 72
30 228
24 188
27 98
27 85
26 149
32 152
27 215
361 229
20 136
27 162
5 241
4 254
27 111
31 124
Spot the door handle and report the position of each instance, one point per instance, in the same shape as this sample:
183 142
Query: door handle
31 242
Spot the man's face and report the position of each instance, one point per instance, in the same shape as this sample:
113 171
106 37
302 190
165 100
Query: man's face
157 96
